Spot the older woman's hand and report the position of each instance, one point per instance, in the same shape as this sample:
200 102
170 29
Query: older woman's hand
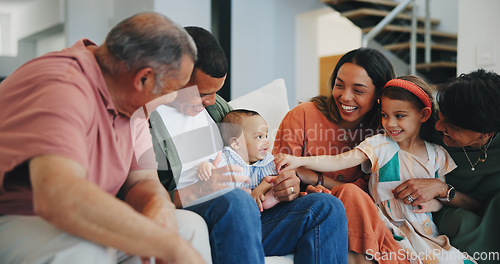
418 191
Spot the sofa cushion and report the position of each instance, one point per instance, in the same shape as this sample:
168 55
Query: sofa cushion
270 101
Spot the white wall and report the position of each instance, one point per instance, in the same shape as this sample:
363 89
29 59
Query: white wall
7 65
263 43
286 14
322 32
263 33
27 21
5 33
306 57
47 25
9 36
87 19
478 38
49 43
186 12
253 42
445 10
336 34
38 16
125 8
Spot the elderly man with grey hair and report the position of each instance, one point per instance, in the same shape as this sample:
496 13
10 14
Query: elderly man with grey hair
66 148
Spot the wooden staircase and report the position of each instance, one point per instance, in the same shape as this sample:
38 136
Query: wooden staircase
395 37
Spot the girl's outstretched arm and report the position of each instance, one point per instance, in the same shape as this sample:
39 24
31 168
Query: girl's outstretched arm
324 163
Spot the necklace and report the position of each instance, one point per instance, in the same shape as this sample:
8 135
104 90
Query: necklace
482 156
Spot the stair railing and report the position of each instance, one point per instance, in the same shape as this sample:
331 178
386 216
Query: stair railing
413 39
427 31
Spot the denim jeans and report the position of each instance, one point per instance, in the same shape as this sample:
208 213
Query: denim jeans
234 228
312 227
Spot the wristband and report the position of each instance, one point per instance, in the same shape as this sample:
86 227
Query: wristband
321 180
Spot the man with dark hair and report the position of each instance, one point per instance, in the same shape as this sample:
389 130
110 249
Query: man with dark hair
210 70
66 147
212 60
185 134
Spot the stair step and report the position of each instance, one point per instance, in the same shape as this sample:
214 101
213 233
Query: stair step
364 12
420 45
367 13
348 5
403 29
436 64
387 3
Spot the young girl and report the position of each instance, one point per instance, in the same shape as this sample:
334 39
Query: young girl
392 158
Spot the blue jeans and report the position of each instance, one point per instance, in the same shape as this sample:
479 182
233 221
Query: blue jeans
312 227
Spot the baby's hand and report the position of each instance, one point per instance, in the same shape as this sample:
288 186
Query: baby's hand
259 198
204 170
286 162
264 201
431 206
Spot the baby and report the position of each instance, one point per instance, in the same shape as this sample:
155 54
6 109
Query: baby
244 133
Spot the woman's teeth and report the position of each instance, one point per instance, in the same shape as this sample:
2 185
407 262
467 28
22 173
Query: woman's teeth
349 108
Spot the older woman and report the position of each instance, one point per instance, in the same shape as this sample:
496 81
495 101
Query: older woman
469 120
335 124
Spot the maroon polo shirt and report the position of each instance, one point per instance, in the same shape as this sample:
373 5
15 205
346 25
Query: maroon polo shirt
59 104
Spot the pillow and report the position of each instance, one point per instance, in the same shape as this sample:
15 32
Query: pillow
270 101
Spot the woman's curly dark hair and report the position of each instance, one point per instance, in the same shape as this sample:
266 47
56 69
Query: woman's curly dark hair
472 101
